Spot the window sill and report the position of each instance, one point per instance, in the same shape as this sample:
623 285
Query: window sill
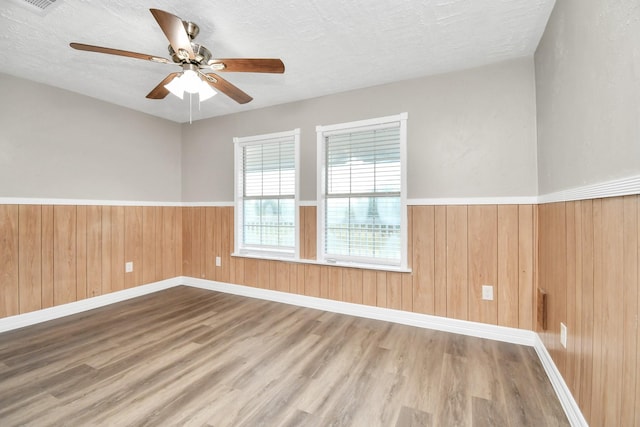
380 267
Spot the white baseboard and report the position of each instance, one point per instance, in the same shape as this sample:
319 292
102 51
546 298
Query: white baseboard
27 319
569 404
480 330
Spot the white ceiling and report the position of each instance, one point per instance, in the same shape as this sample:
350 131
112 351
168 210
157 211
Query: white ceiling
328 46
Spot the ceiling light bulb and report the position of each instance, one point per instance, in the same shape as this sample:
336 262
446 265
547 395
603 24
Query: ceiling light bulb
175 86
190 81
206 91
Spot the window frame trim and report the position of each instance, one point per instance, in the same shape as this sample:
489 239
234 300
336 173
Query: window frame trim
238 228
399 120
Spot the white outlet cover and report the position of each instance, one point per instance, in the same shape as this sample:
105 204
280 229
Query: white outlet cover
218 261
563 334
128 267
487 292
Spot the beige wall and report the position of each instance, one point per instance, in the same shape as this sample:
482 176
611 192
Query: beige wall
471 134
588 94
58 144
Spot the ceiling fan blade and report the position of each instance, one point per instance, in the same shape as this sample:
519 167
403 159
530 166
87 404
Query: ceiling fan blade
160 92
227 88
108 50
248 65
173 27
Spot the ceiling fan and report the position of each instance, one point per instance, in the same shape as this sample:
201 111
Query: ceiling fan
193 58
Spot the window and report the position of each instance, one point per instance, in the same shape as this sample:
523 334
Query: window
362 192
266 194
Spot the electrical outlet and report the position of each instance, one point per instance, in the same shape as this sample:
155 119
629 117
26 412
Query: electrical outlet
487 292
218 262
563 334
128 267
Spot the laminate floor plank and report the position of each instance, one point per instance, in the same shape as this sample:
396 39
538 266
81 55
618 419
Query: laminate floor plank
410 417
424 390
483 382
135 395
537 375
522 406
386 396
455 402
192 357
487 413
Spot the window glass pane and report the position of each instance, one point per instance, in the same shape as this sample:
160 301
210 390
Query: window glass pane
363 227
288 182
363 194
363 162
286 207
267 192
252 222
269 169
269 222
270 212
286 223
337 222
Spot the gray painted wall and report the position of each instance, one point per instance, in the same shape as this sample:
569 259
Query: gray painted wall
58 144
587 70
471 134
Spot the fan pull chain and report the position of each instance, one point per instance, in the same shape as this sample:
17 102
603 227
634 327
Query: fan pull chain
190 104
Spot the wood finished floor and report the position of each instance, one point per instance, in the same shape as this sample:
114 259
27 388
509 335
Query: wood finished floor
188 356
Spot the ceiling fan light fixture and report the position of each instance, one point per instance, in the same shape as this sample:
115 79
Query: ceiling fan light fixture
176 87
190 81
206 91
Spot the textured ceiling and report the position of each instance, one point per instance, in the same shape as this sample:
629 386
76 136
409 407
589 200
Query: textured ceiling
328 46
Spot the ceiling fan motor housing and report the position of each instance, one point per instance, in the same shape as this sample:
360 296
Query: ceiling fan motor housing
202 55
192 29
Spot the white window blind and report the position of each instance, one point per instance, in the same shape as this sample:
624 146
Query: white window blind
362 200
266 193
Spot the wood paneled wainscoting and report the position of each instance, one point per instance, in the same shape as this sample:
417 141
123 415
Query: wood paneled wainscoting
56 254
584 254
588 266
453 251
